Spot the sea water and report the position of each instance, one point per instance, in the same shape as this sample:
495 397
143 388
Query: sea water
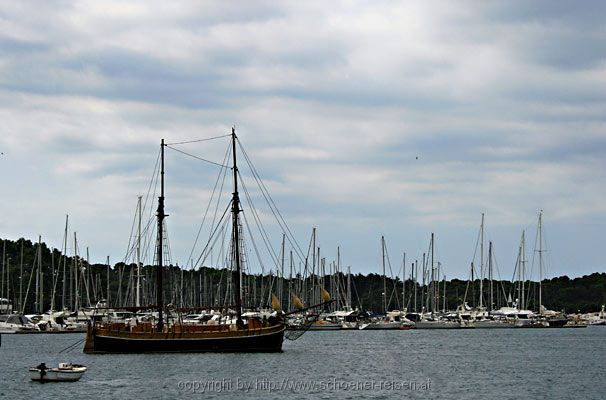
423 364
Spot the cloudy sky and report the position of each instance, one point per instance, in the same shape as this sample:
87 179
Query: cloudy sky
365 119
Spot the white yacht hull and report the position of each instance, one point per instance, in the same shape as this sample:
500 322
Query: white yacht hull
438 325
381 325
492 325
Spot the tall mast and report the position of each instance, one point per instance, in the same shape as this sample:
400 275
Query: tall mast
313 267
540 260
138 296
21 277
415 268
424 306
491 305
384 279
160 215
76 276
349 288
519 269
404 306
290 292
481 260
40 304
338 278
281 281
54 278
432 277
235 209
444 294
523 262
64 256
107 301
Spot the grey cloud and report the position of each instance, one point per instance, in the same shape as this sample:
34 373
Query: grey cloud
559 34
584 14
501 102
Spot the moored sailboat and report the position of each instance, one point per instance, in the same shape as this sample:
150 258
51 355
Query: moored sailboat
240 334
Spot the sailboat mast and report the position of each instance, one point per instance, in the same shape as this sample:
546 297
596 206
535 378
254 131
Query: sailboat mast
433 304
338 278
404 305
349 288
64 256
290 291
107 300
415 268
40 274
160 215
523 261
481 260
76 276
384 279
540 261
235 208
280 290
491 306
444 294
138 296
21 278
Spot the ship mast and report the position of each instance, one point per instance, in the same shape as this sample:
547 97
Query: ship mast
160 216
235 209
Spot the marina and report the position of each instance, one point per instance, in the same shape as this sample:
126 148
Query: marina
247 313
547 357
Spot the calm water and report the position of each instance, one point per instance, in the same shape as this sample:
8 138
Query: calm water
504 364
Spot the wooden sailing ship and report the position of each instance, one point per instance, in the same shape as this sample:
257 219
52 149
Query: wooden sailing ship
250 335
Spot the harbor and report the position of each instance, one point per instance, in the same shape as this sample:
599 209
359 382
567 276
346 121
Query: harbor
302 200
548 357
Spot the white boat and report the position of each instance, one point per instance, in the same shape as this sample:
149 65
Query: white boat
440 324
65 372
324 325
599 320
15 323
495 323
56 322
393 320
381 324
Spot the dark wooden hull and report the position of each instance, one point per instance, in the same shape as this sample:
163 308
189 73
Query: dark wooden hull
246 341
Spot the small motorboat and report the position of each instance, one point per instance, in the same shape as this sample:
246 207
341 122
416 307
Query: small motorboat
65 372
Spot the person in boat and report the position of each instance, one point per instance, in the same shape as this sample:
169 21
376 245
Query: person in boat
42 368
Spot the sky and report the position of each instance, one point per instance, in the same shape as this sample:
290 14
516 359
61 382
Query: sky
364 118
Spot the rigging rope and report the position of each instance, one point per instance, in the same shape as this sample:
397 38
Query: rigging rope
198 140
224 172
272 205
262 230
72 346
212 235
196 157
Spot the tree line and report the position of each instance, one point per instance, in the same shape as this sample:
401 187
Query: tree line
37 279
